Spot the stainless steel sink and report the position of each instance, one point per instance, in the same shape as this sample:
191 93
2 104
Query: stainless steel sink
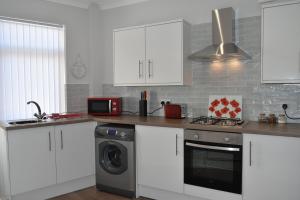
20 122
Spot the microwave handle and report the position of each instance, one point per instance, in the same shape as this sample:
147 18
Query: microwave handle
212 147
109 106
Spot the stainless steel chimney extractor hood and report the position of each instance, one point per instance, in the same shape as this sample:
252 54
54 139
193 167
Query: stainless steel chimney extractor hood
223 36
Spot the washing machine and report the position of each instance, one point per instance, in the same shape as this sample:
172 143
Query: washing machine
115 159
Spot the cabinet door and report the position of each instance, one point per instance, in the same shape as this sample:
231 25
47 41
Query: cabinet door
129 56
274 169
74 151
281 44
160 157
164 53
31 159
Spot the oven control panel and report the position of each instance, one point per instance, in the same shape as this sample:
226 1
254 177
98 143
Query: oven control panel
214 137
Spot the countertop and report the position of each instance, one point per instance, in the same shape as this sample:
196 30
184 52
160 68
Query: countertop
288 130
48 122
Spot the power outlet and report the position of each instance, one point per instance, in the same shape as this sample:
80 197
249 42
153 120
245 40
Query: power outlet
165 101
284 106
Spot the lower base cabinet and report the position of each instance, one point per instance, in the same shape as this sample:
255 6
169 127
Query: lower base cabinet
31 159
160 158
75 151
271 167
45 156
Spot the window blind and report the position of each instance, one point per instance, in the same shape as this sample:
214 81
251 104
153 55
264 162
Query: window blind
32 67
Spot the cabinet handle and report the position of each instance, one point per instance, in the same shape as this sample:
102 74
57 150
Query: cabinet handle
176 145
149 68
50 141
250 153
61 140
140 63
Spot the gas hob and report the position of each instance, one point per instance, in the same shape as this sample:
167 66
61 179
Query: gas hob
218 121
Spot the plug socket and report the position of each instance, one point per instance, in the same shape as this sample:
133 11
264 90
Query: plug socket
284 106
163 102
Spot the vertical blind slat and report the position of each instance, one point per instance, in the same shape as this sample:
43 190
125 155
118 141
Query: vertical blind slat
1 72
31 66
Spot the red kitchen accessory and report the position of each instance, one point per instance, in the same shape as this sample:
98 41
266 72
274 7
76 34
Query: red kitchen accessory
104 106
173 111
225 106
65 115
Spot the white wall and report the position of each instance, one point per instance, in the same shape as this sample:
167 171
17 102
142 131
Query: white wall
89 32
75 20
96 45
194 11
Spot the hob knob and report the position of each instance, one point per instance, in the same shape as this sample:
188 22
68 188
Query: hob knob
226 139
196 137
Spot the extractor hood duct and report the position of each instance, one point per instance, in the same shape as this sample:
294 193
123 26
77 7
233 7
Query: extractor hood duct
223 36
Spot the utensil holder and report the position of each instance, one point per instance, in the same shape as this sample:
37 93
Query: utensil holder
143 107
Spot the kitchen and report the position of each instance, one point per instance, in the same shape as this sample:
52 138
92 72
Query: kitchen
265 81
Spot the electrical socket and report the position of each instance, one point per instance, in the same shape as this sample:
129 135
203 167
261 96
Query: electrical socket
164 101
284 106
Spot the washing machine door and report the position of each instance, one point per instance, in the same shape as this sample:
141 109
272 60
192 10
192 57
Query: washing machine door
113 157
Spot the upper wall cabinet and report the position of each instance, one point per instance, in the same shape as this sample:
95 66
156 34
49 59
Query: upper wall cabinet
152 55
281 43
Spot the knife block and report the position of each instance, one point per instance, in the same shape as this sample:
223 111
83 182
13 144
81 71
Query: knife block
143 108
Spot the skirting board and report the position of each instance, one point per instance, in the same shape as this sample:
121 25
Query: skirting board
157 194
190 193
56 190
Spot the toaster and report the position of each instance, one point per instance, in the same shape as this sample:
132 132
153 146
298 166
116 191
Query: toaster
175 111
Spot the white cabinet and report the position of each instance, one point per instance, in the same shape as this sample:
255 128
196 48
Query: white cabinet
281 43
271 168
45 156
160 158
74 151
164 53
154 54
129 56
31 159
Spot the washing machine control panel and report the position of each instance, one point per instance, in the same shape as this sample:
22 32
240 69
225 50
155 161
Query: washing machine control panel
115 132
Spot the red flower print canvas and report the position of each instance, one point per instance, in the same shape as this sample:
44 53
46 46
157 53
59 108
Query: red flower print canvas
225 106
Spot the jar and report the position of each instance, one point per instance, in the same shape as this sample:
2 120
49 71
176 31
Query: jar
272 118
262 118
282 119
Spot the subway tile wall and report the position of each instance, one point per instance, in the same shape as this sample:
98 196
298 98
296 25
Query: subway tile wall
77 97
229 78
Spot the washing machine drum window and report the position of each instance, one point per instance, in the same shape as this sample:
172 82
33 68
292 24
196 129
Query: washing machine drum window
113 157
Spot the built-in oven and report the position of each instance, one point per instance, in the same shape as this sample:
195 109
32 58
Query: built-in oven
213 160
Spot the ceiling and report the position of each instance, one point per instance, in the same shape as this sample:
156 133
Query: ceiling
104 4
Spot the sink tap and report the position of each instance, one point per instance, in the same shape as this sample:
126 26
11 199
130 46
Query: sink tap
40 116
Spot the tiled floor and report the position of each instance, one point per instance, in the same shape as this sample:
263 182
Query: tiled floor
90 194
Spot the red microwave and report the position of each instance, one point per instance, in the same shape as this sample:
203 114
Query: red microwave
105 106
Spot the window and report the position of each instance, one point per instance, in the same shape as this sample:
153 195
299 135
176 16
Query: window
32 67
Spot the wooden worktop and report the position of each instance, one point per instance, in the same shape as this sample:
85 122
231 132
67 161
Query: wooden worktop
289 130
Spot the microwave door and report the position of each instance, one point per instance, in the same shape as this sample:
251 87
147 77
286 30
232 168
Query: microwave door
100 107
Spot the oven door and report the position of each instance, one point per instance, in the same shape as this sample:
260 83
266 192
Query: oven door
99 107
214 166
